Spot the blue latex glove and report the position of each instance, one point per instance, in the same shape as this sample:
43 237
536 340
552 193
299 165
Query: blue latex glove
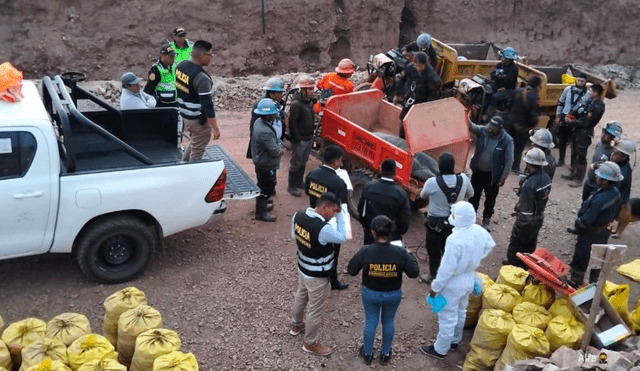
436 303
477 286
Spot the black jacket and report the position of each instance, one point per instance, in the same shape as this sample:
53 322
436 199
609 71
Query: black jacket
505 76
382 266
301 119
383 197
525 109
534 194
427 84
324 179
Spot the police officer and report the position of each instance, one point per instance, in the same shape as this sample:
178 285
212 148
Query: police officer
266 150
181 45
383 197
590 116
543 139
315 239
442 191
325 179
572 97
534 194
621 154
162 78
195 100
273 89
604 148
595 214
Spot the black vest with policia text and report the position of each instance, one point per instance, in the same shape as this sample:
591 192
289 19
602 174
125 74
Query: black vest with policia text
314 259
188 97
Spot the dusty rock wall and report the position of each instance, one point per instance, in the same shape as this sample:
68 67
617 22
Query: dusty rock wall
106 38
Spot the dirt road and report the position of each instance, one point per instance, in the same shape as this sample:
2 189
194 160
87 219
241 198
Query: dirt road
227 287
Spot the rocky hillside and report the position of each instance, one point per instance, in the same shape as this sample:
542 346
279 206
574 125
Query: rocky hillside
105 38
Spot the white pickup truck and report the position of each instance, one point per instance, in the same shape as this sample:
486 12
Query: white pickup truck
104 185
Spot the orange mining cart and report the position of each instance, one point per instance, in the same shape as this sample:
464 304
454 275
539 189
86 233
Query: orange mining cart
355 122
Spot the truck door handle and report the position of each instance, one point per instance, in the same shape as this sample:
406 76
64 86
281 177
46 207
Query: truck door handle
28 195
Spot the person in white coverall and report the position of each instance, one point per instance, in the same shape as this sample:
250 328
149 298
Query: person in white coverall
467 245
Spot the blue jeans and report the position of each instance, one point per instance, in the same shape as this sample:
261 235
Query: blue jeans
375 302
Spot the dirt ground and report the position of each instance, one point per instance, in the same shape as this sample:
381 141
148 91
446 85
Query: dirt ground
227 287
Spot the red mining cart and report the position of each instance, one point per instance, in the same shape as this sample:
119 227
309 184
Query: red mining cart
358 122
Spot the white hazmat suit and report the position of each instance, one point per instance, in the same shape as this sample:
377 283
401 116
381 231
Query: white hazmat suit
467 245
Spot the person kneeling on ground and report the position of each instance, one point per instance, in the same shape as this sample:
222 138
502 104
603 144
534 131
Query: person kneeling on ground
382 265
467 245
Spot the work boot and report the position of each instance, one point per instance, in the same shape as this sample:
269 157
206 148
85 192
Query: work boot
594 274
292 186
261 211
486 224
269 204
576 183
577 279
299 179
569 176
317 349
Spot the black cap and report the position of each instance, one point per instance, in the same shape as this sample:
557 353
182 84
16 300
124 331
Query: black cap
497 121
168 50
179 31
582 75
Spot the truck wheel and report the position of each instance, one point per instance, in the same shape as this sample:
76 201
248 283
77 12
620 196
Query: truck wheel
358 180
116 249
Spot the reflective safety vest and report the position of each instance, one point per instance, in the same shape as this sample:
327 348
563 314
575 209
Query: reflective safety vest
166 88
182 54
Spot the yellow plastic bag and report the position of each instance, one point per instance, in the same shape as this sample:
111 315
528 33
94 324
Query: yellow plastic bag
67 327
5 357
539 294
560 308
176 361
152 344
565 331
634 317
88 348
103 365
568 79
116 304
475 302
630 270
48 365
22 333
513 276
131 324
489 339
618 296
500 296
36 352
531 314
524 342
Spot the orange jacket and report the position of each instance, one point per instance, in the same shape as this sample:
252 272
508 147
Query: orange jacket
337 84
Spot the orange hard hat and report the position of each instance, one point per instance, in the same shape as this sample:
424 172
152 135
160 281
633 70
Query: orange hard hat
345 66
306 81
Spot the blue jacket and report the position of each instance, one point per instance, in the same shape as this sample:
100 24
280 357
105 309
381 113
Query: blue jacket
600 209
501 155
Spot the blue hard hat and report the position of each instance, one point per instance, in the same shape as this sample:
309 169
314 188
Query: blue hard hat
423 41
509 53
266 107
274 84
614 129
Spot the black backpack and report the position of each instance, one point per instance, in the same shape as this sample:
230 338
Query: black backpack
450 193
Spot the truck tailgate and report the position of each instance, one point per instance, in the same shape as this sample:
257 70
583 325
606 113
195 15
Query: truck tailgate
239 184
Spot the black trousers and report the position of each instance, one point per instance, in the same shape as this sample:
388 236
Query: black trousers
334 271
438 229
266 181
582 252
481 181
580 143
563 136
524 238
520 136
